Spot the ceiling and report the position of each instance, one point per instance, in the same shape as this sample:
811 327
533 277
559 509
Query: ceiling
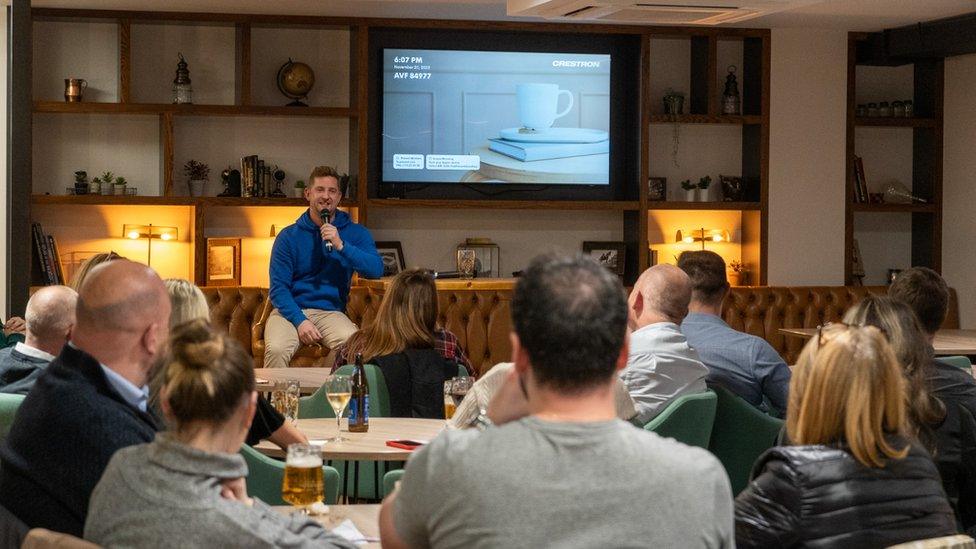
858 15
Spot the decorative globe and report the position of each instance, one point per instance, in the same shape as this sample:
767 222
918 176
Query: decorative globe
295 80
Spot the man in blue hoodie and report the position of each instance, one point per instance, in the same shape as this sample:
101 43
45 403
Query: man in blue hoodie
312 263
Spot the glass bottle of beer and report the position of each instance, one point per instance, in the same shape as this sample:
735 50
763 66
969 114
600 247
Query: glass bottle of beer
359 403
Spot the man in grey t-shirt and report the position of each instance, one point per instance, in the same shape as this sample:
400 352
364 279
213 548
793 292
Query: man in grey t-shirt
561 471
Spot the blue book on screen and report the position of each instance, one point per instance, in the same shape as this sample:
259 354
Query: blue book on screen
527 152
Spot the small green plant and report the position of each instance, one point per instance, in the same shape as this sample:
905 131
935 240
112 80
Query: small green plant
196 171
736 266
300 184
704 182
120 181
688 185
108 177
96 181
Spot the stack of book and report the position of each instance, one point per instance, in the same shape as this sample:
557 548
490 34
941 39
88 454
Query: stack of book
529 151
48 269
255 177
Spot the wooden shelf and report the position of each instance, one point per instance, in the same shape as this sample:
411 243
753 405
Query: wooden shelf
910 208
190 110
111 200
615 205
677 205
895 122
740 120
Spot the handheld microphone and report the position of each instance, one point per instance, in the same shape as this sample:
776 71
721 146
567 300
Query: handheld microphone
324 214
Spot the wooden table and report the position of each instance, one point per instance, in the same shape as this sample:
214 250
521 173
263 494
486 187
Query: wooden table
310 379
947 342
365 517
368 446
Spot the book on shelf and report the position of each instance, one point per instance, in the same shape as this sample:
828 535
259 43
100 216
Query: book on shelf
56 256
528 152
42 254
860 184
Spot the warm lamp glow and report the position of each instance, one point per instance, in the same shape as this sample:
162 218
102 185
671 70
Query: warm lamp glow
134 235
702 235
149 232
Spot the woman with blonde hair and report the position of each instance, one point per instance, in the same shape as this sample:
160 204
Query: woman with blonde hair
855 477
186 488
414 355
188 304
947 430
79 276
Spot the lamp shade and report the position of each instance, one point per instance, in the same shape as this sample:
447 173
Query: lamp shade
690 236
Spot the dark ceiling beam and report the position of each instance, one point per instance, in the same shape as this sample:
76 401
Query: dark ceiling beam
931 40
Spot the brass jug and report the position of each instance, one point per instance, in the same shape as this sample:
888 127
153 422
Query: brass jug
74 88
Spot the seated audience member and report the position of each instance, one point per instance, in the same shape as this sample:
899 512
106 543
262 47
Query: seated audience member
569 473
50 315
189 303
89 402
855 478
927 293
476 402
14 332
742 363
186 488
661 366
948 432
406 345
79 276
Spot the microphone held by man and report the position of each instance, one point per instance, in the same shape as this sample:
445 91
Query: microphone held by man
326 218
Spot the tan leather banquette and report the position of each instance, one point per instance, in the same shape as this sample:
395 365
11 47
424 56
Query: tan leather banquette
480 318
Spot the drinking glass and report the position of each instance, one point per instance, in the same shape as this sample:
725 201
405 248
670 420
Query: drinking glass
303 485
279 399
460 388
338 390
449 407
293 391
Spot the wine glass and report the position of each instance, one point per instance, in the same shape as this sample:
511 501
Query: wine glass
303 485
338 390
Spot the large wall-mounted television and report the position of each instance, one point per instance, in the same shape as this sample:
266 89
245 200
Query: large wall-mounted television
503 115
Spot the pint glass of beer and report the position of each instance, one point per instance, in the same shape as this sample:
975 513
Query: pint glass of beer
303 485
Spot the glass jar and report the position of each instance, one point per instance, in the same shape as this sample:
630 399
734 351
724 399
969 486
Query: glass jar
898 109
884 109
909 108
872 109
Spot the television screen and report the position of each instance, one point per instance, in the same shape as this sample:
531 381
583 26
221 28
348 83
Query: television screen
495 117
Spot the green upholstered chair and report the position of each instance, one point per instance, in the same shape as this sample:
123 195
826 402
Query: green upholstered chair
740 435
462 371
317 405
687 419
264 477
389 481
8 410
961 362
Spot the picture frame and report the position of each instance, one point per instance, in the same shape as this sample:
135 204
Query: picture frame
611 255
391 253
223 262
657 189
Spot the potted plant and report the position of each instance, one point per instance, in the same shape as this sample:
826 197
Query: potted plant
703 184
119 186
691 190
108 178
299 190
737 273
96 186
197 174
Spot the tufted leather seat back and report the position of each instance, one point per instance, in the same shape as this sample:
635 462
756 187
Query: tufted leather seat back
482 319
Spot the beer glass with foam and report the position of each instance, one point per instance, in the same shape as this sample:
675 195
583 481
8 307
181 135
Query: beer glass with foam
303 484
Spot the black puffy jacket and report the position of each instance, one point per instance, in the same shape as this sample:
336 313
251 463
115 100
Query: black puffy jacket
820 496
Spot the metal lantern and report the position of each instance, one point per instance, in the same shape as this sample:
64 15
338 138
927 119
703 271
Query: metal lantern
730 98
478 257
182 90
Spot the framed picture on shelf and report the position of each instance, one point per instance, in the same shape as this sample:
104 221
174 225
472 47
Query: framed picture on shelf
657 189
223 262
608 254
392 255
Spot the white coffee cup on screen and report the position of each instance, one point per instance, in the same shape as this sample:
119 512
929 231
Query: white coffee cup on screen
537 104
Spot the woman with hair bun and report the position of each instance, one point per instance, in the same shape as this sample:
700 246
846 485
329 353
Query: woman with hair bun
186 488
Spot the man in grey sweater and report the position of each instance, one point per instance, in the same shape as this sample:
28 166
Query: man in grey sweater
562 471
50 315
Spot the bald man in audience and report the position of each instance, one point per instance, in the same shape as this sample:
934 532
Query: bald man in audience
89 402
50 315
660 366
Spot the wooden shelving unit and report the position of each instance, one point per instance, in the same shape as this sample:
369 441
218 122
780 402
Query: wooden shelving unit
703 107
925 219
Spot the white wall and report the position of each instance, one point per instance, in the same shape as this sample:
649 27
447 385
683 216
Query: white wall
808 81
959 190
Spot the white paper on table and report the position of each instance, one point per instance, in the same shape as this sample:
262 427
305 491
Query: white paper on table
349 531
